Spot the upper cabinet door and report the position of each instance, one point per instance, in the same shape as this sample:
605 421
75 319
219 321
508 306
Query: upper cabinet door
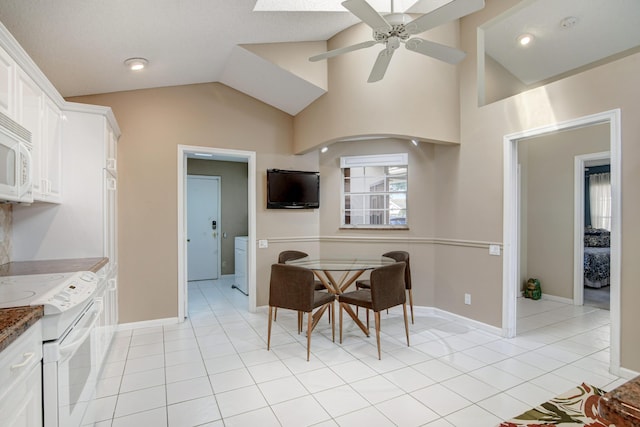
52 147
7 88
29 114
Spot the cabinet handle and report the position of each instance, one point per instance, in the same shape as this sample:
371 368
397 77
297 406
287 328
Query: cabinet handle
27 358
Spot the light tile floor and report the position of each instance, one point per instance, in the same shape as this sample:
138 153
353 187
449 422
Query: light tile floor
215 370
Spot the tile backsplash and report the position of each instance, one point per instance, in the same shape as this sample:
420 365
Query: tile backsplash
5 233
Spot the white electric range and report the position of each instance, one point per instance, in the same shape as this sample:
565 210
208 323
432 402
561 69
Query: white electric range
71 313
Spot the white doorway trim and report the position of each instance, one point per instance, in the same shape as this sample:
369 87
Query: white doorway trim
580 163
225 155
510 285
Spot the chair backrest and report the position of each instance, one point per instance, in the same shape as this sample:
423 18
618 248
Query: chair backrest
402 256
291 287
387 286
285 256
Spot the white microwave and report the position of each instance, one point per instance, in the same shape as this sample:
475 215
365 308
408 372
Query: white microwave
15 162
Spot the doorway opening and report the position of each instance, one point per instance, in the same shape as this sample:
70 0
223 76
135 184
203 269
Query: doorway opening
592 272
219 155
511 260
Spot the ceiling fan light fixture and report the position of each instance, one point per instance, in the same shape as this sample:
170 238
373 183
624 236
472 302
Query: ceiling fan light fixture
525 39
136 64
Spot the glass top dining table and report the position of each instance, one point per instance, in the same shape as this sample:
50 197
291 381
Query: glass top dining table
350 267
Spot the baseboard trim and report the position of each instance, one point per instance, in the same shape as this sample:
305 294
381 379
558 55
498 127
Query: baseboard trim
148 323
470 322
557 299
625 373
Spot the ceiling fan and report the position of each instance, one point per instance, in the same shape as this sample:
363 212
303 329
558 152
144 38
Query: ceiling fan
396 28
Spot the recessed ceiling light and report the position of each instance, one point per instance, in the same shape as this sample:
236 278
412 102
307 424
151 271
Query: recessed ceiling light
136 64
525 39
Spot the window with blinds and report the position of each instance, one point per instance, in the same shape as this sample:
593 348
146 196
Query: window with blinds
374 191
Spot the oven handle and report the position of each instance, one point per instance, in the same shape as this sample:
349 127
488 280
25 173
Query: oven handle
69 349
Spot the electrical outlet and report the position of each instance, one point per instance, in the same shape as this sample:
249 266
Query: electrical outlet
494 249
467 299
263 244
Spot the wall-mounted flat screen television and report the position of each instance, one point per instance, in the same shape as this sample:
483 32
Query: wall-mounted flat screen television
289 189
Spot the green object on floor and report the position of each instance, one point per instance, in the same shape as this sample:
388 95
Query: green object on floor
533 290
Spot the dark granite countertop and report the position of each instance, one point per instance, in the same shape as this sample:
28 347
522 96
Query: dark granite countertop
20 268
621 406
15 321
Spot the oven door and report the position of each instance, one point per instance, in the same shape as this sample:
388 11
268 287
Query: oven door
70 371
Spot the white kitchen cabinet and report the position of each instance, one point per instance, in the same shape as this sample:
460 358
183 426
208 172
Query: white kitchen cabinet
7 86
87 216
21 380
51 157
111 306
41 116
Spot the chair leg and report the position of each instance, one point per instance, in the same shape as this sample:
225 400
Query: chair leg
367 312
411 304
269 329
406 323
309 324
299 322
333 324
340 309
275 314
376 316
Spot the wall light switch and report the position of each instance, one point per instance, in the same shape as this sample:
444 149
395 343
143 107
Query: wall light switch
263 244
494 249
467 299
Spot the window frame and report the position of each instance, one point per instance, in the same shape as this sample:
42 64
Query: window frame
384 160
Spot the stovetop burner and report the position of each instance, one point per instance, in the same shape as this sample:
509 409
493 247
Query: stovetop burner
39 280
15 297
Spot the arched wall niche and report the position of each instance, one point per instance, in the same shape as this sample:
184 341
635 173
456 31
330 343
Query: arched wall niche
417 99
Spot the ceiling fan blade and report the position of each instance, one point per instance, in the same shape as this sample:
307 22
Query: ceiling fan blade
450 11
342 50
367 14
435 50
381 65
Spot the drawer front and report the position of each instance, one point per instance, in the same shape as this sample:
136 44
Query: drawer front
17 360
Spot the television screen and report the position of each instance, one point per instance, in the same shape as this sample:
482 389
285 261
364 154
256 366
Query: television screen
287 189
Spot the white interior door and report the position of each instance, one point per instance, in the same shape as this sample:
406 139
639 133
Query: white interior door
203 244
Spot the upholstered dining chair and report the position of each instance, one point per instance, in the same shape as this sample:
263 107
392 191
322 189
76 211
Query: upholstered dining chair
293 288
387 289
398 256
290 255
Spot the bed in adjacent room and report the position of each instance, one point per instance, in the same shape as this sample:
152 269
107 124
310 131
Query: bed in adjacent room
597 257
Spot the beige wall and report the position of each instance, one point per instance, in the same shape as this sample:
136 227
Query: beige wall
418 96
470 205
499 83
234 214
468 178
153 123
547 174
417 240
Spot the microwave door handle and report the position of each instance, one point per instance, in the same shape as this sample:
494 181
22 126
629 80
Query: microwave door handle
68 349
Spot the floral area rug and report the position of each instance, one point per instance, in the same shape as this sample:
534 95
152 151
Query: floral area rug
576 407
